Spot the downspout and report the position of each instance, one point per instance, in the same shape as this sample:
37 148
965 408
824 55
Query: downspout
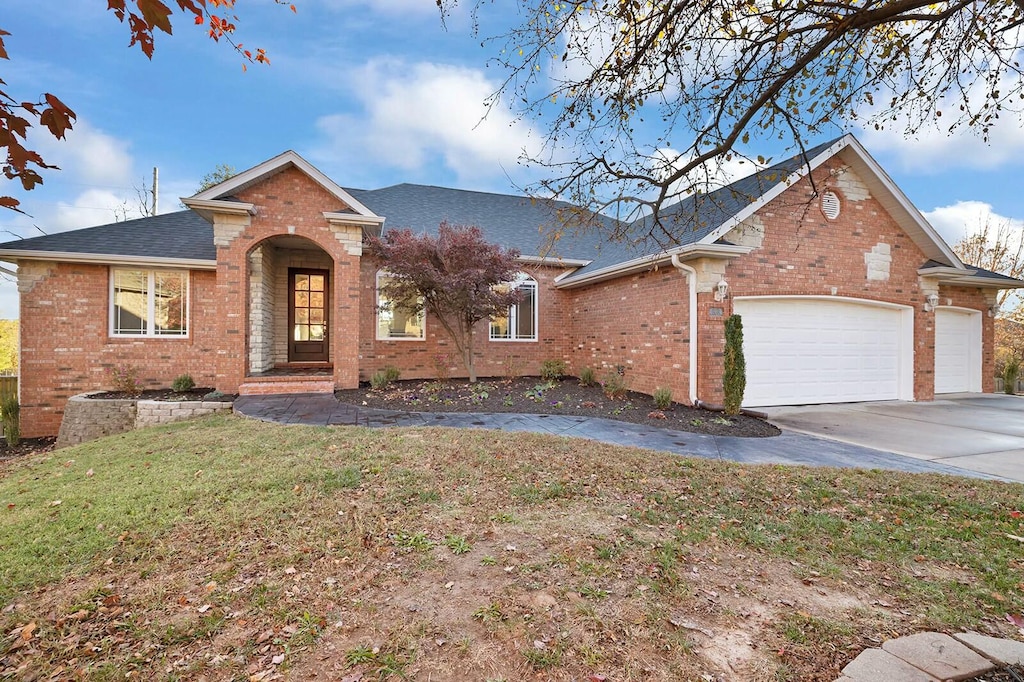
691 279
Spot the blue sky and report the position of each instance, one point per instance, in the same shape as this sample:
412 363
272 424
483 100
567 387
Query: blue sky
372 92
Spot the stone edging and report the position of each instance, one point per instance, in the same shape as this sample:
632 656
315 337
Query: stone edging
87 418
933 656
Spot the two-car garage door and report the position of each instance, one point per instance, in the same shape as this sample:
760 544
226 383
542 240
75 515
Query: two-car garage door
825 350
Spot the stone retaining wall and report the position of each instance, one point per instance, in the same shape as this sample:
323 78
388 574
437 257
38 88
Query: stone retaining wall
87 419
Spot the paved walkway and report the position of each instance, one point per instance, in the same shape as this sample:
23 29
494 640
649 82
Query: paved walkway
788 448
932 656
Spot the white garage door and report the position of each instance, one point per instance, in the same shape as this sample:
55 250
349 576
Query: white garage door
805 351
957 350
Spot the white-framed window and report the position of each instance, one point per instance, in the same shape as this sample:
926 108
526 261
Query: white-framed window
149 303
395 321
520 323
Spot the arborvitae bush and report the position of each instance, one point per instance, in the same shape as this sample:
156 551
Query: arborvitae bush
734 375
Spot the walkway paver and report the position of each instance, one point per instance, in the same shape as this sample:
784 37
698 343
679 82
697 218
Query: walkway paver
787 448
934 657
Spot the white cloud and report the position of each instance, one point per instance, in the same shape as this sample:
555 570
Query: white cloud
90 155
930 147
416 114
708 177
956 221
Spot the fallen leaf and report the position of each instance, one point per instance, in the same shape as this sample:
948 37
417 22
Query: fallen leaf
1015 537
204 608
90 473
56 503
597 677
354 677
26 632
277 660
290 570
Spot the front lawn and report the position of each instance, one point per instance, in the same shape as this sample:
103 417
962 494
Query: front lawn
227 549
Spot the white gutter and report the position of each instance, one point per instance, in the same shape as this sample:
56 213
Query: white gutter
647 262
691 280
15 255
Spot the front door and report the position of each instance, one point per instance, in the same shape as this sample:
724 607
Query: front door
307 315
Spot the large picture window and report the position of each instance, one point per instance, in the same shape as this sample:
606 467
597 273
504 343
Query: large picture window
398 320
148 303
520 324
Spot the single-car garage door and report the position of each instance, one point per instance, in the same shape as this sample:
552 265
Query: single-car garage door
824 350
957 350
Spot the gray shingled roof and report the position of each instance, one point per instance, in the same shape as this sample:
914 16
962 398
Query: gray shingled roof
508 220
512 221
182 234
696 216
978 272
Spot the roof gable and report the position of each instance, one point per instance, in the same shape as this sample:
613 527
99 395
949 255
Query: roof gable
879 184
224 191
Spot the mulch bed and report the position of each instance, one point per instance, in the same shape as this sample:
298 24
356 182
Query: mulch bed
533 395
26 446
166 394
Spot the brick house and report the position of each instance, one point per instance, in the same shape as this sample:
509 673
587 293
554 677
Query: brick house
845 290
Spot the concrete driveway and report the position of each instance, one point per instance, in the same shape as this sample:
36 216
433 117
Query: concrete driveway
977 432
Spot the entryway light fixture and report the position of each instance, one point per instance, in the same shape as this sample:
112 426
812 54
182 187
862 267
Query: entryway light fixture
721 290
931 302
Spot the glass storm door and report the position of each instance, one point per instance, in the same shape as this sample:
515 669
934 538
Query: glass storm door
307 316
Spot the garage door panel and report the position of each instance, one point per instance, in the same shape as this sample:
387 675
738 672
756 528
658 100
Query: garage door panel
816 351
957 351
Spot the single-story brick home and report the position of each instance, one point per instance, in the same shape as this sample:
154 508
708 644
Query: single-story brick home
846 292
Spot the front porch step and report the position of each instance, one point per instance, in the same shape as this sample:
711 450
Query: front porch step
270 385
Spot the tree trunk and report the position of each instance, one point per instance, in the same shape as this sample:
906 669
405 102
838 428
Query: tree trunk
468 356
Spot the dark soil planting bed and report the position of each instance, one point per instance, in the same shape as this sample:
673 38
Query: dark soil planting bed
533 395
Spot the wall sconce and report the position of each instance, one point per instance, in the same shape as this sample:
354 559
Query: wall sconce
992 310
931 302
721 290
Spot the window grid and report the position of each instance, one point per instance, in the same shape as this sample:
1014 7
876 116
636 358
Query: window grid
520 323
397 325
148 303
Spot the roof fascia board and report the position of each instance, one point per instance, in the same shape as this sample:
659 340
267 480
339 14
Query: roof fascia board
218 206
276 164
353 219
904 202
944 270
551 260
13 256
980 281
775 191
685 253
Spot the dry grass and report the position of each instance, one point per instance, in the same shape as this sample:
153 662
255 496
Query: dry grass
227 549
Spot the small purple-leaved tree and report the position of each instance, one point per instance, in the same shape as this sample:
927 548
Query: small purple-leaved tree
455 277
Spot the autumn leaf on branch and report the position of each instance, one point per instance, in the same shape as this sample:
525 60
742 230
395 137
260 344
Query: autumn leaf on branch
144 18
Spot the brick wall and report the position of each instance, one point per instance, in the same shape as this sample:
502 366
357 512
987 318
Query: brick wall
415 358
66 347
287 203
803 252
639 323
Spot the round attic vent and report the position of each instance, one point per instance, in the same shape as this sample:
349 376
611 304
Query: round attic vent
830 205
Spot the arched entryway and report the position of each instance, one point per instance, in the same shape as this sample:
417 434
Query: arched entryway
290 283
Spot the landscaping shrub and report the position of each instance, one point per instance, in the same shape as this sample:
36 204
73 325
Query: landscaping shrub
614 385
383 377
663 398
552 370
442 366
183 384
10 412
126 379
734 374
587 377
1011 371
